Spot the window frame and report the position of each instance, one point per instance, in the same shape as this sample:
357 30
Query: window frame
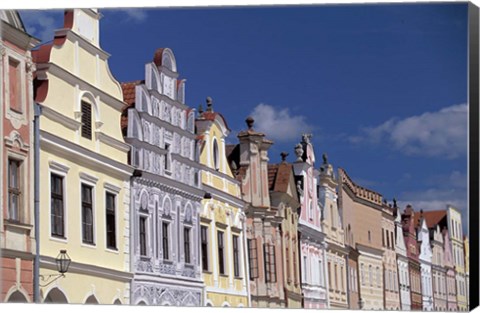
107 244
143 244
91 206
15 191
252 258
236 255
60 197
204 247
186 244
166 255
221 252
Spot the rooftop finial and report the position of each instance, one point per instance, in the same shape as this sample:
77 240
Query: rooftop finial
250 122
200 109
209 104
325 158
394 202
284 156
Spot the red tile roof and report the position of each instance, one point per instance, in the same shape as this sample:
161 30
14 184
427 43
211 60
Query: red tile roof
210 116
128 90
157 57
434 217
272 174
279 176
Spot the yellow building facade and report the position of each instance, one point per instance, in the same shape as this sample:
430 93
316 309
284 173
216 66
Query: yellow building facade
222 220
84 176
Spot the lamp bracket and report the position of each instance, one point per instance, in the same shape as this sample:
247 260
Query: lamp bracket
48 279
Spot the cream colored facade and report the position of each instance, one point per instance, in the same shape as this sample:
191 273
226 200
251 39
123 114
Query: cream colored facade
390 274
362 216
455 230
84 176
222 219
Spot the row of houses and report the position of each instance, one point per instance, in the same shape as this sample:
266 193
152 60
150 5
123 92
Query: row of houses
120 193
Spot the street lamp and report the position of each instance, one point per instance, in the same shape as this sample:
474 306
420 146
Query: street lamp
63 263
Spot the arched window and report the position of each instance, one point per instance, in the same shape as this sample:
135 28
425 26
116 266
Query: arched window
55 296
17 297
216 156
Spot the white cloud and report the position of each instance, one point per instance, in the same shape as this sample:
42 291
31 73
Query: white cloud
134 14
279 124
42 23
442 133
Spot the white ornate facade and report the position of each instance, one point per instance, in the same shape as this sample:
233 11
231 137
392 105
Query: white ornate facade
402 264
166 192
425 258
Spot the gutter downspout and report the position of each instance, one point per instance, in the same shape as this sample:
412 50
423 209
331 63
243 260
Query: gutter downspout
36 268
246 260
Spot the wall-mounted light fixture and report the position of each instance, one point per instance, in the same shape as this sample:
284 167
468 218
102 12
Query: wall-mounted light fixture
63 263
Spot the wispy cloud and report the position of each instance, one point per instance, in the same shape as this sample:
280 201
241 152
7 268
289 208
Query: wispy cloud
42 23
137 15
279 124
434 134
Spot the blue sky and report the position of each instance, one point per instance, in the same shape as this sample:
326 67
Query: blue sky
382 88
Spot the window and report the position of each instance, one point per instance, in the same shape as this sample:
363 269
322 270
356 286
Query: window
335 270
295 273
236 259
14 191
167 157
15 85
330 275
221 255
165 240
143 236
110 219
252 258
86 120
369 237
57 210
186 244
87 214
341 279
370 275
392 240
388 239
215 155
204 242
270 268
287 258
383 238
362 273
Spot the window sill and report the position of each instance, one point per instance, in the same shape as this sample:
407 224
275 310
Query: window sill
17 224
144 258
165 261
58 238
90 245
206 272
189 265
112 250
223 275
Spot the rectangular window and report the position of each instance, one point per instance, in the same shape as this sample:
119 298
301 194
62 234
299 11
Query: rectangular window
392 240
110 219
143 235
336 276
341 278
86 120
165 240
87 214
295 272
383 238
167 157
270 268
204 242
236 258
186 244
252 258
14 191
57 210
221 255
330 275
15 85
388 239
287 258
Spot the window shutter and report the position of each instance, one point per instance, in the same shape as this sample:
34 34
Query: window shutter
86 120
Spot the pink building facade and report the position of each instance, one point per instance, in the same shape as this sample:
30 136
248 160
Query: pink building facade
17 240
315 282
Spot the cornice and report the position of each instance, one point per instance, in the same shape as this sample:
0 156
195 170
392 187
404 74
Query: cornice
17 36
112 142
60 118
171 186
168 126
83 43
166 98
88 269
82 155
226 197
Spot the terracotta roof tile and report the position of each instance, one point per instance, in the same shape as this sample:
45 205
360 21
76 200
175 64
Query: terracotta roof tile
434 217
272 174
128 90
210 116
